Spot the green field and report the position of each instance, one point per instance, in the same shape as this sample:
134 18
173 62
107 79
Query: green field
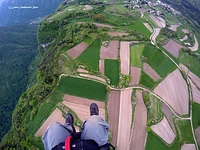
83 88
111 68
184 131
196 115
90 56
43 113
158 61
147 81
155 143
138 26
192 62
136 54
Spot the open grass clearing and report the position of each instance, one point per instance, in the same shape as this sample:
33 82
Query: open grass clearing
111 70
90 56
136 54
43 113
184 130
82 88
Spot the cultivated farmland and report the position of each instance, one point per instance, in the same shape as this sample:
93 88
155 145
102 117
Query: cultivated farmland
124 57
125 119
173 89
135 75
82 88
169 115
90 56
188 147
158 21
195 93
150 72
174 27
139 133
56 116
136 55
173 47
164 130
113 114
112 70
197 132
110 52
77 50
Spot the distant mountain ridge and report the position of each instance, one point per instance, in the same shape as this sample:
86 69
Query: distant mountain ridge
23 11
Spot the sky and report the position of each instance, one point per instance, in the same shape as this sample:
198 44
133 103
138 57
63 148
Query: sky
1 1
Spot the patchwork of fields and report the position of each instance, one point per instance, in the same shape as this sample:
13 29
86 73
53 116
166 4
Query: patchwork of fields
151 111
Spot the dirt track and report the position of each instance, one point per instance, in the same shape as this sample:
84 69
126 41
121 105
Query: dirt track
164 130
155 34
125 57
196 45
117 34
113 114
150 72
185 69
139 133
56 116
77 50
173 89
135 75
173 47
101 66
125 119
110 52
92 77
188 147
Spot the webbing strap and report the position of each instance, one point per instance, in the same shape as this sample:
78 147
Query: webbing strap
67 143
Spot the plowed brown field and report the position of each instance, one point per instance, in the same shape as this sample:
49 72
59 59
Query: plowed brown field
77 50
164 130
150 72
118 34
113 114
135 75
188 147
173 47
56 116
139 132
125 120
125 57
110 52
173 89
101 66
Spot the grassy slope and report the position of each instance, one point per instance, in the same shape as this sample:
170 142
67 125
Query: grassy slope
154 143
136 54
160 63
195 114
112 71
83 88
90 56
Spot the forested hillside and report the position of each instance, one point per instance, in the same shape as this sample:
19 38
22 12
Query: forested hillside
18 47
12 11
189 8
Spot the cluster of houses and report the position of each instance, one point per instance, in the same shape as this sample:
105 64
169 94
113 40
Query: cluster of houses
167 7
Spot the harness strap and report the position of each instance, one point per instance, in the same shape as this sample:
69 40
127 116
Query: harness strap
67 143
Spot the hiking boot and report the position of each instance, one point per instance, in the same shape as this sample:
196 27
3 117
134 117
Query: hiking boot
69 119
94 109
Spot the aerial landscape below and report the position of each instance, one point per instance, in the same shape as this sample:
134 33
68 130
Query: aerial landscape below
139 60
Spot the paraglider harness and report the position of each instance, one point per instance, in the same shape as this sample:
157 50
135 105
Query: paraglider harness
75 143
